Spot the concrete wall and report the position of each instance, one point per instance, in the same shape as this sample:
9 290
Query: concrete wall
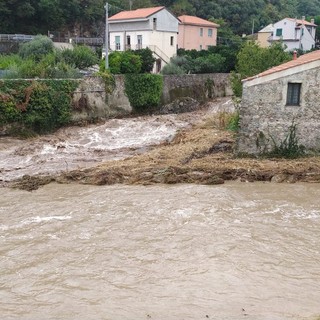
91 102
201 87
264 114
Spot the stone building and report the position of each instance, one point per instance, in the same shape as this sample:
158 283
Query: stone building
277 98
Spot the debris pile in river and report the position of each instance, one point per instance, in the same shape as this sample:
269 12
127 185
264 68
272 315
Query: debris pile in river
200 154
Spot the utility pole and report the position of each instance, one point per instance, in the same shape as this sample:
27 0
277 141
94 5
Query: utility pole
107 36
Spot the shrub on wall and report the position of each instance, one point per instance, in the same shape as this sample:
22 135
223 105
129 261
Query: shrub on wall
40 106
124 62
36 48
80 56
130 63
143 90
147 59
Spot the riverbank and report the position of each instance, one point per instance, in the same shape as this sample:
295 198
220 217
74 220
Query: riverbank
201 154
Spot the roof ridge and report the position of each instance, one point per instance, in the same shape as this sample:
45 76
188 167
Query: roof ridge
303 59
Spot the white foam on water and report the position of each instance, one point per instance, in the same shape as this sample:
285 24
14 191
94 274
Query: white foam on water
34 220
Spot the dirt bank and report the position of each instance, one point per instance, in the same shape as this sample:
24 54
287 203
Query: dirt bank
200 154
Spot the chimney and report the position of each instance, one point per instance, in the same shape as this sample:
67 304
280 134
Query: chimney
312 21
294 55
303 18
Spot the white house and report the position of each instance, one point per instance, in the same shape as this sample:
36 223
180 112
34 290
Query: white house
294 33
154 28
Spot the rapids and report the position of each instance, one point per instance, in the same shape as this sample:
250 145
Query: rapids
233 251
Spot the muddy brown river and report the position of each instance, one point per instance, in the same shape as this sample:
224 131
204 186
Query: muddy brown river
232 251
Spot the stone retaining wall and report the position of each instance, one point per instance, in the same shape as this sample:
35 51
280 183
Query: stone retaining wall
91 101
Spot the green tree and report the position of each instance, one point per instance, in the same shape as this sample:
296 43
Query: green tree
124 62
253 59
147 59
80 56
37 48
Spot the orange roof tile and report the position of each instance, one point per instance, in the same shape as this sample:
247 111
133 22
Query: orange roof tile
196 21
304 59
306 23
136 14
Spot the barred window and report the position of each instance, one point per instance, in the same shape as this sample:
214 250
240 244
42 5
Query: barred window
293 94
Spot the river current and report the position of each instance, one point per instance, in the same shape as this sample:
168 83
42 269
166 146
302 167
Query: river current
232 251
73 252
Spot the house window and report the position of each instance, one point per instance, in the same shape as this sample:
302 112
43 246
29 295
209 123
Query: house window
171 41
117 40
200 46
293 94
128 44
201 32
279 32
139 42
210 33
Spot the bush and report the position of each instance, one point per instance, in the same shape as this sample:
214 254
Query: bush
114 62
36 48
124 62
49 66
130 63
172 68
210 64
143 90
40 106
80 56
207 63
147 59
236 84
289 147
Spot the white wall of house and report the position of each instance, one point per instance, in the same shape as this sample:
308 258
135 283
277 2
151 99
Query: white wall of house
166 42
129 36
129 25
165 21
157 32
302 37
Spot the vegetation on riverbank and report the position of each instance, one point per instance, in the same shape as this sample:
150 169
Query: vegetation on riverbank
29 107
40 59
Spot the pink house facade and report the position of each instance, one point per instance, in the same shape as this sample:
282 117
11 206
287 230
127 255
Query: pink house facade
196 33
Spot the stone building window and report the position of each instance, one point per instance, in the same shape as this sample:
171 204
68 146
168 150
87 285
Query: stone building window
293 94
279 32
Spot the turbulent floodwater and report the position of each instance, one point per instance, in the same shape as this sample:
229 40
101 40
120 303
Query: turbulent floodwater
74 147
233 251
